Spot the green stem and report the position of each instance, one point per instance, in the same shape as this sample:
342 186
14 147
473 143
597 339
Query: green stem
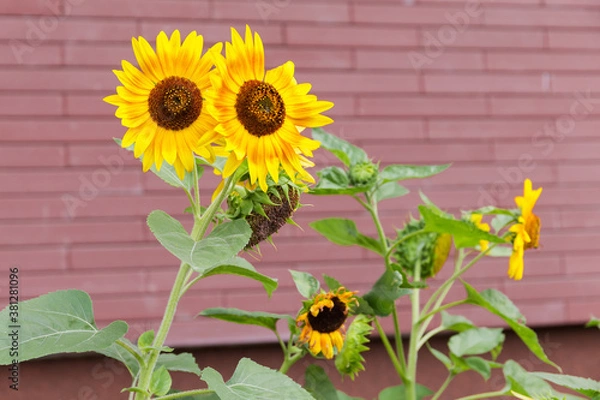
390 350
197 204
486 395
131 351
288 362
442 308
398 337
181 395
429 335
411 369
443 387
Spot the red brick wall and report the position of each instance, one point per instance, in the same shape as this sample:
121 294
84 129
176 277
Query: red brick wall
503 89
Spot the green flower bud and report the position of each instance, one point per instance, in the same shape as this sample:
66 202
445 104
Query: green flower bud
430 248
363 173
349 360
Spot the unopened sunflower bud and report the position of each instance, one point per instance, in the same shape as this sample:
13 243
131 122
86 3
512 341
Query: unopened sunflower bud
275 215
363 173
431 249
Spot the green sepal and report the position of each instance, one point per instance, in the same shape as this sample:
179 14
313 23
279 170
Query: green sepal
349 361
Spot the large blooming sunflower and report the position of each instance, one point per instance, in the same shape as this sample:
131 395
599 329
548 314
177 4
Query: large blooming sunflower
260 114
526 230
324 320
163 104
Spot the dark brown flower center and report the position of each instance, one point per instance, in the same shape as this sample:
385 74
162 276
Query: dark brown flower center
329 319
532 227
260 108
175 103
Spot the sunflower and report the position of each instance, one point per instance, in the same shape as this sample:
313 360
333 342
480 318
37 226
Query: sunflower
261 114
324 321
476 219
163 102
526 231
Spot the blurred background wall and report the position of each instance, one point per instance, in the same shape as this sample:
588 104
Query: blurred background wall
503 89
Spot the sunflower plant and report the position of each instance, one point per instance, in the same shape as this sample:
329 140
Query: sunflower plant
187 110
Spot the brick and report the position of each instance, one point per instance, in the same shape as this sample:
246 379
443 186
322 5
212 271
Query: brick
57 80
212 31
482 129
128 306
28 31
409 59
53 8
355 36
429 153
43 258
544 313
578 173
556 106
581 310
206 332
581 263
75 232
86 184
100 54
101 154
568 288
143 9
536 265
547 61
578 241
121 255
309 58
42 55
542 17
486 38
58 130
31 156
566 83
398 129
559 39
30 105
89 105
396 14
315 12
485 83
560 151
362 82
486 175
420 105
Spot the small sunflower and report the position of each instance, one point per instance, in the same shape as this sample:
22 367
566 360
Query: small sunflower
260 114
323 322
476 219
163 102
526 231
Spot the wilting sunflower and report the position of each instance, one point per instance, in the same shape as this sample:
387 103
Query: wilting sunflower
526 230
163 102
261 114
476 219
324 320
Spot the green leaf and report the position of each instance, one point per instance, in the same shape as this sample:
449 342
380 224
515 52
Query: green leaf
527 383
344 233
258 318
332 283
344 396
344 151
500 251
500 305
593 322
306 284
223 243
465 233
479 365
241 267
390 190
440 356
585 386
120 354
182 362
500 221
456 323
317 383
399 172
253 381
146 340
335 180
58 322
160 382
385 292
207 396
399 393
475 341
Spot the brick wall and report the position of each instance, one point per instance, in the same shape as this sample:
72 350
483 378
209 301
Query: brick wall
503 89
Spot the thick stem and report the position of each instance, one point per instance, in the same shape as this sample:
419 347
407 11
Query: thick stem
411 369
288 362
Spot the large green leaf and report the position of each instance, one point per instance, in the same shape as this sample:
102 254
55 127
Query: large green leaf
527 383
385 292
465 234
161 381
317 383
57 322
223 243
253 381
586 386
344 232
334 180
399 172
346 152
306 284
120 354
182 362
475 341
389 190
241 267
258 318
399 393
497 303
456 323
